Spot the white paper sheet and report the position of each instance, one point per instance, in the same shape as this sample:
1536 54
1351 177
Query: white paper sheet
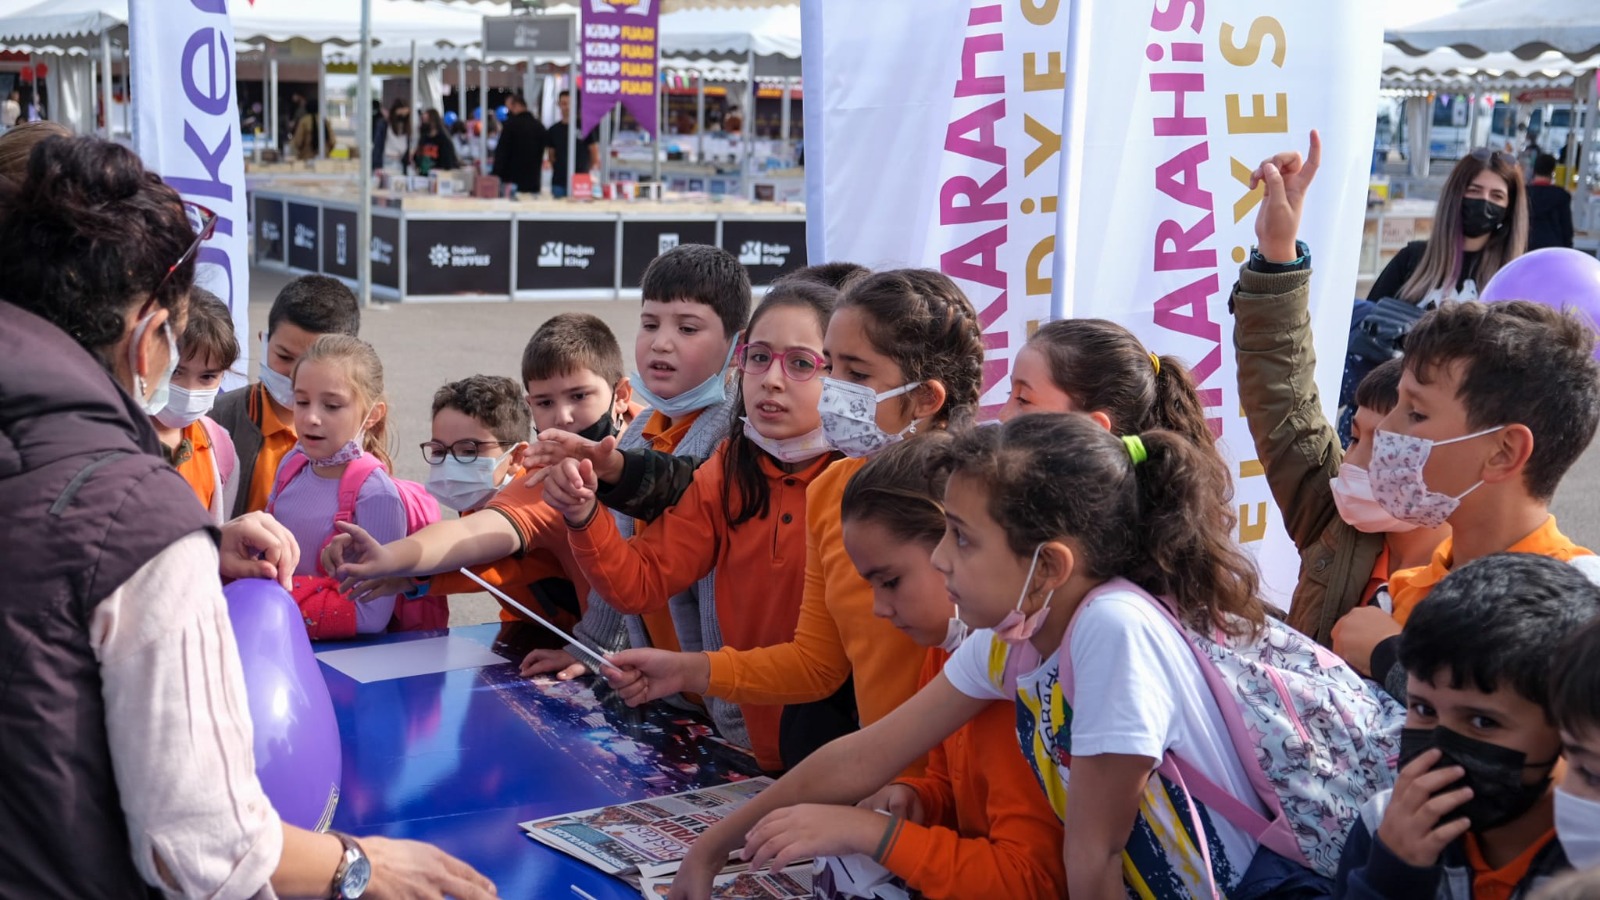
383 662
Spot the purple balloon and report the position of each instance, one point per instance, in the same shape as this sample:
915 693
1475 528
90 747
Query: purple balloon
1556 277
297 748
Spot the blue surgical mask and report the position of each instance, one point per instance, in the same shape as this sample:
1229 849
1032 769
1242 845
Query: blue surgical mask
706 394
157 401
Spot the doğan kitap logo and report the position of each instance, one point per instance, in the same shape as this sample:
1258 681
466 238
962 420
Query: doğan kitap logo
559 255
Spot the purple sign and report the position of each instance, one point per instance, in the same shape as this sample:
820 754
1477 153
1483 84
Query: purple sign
619 60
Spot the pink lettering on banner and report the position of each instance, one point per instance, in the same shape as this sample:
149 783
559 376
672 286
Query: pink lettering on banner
975 196
1181 242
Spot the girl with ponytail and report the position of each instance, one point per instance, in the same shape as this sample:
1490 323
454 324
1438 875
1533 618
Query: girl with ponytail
1053 521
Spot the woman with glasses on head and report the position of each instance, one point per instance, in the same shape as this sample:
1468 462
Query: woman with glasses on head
1481 224
127 745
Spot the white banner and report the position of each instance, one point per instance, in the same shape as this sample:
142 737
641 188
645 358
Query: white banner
940 144
186 127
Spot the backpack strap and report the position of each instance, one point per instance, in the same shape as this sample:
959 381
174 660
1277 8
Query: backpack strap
356 473
292 465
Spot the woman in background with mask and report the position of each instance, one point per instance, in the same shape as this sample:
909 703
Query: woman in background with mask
1481 224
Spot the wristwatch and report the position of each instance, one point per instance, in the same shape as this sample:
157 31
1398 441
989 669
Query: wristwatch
355 870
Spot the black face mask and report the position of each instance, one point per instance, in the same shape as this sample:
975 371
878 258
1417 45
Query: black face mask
1493 772
1479 217
605 427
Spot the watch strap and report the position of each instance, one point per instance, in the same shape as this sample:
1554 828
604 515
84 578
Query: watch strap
1259 263
351 853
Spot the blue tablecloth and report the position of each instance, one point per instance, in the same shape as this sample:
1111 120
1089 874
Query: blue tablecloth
457 759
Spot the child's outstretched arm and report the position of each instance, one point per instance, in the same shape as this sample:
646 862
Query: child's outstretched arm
842 772
353 556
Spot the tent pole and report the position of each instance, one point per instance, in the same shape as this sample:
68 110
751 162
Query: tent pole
416 104
273 89
700 116
483 116
573 108
367 163
747 129
461 88
322 108
657 147
788 89
105 81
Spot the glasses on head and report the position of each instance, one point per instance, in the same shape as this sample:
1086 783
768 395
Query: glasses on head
204 223
463 451
799 364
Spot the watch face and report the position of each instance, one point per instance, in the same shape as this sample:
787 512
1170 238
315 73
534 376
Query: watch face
356 878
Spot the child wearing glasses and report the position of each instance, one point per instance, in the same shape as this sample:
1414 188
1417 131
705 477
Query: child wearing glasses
742 519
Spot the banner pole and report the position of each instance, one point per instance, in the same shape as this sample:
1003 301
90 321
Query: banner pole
1073 104
364 141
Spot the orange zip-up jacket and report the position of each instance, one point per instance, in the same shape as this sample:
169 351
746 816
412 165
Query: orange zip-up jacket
990 831
759 573
836 634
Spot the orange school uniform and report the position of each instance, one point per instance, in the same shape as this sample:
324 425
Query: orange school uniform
759 577
1502 883
198 463
665 435
526 575
277 439
836 634
1409 587
990 831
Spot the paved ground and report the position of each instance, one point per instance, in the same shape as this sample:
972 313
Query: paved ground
424 345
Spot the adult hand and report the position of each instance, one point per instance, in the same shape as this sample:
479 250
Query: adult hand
1287 178
255 545
408 870
810 830
555 445
646 674
353 556
543 662
569 488
694 877
1410 827
896 800
1358 633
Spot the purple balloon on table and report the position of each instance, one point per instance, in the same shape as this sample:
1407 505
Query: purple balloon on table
1557 277
296 735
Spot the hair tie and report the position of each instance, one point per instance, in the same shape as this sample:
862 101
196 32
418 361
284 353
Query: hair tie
1155 363
1136 451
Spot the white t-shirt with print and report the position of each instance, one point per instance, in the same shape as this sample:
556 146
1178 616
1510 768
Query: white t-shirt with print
1139 691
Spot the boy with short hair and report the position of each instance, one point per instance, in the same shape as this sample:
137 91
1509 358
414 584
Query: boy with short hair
1497 401
1471 814
696 301
196 446
1575 703
260 416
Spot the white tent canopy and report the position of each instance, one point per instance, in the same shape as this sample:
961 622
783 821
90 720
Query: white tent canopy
59 26
1447 70
732 33
1526 28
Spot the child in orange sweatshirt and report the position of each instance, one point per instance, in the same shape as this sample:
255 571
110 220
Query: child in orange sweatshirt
742 516
905 355
976 824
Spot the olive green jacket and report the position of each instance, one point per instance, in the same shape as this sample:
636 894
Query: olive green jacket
1297 446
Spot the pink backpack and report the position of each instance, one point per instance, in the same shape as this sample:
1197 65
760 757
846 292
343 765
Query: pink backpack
421 614
1322 741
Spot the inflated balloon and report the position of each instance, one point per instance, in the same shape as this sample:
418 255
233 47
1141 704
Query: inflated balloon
501 113
450 118
1556 277
296 735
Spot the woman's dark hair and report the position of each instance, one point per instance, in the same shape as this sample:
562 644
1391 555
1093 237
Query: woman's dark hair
900 490
1442 259
89 233
1165 524
746 494
1103 367
920 319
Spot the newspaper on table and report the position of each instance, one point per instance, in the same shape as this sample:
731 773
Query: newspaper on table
793 883
646 838
857 877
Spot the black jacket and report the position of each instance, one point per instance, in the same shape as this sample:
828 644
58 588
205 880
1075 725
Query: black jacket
89 501
519 157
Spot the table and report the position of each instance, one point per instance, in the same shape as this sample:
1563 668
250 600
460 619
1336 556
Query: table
457 759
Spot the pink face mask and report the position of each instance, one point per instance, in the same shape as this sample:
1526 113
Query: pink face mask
1018 627
1352 494
1398 482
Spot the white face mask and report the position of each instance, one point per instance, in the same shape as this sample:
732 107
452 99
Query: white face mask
1352 493
850 417
1398 483
463 486
797 449
186 406
956 633
1578 828
704 395
157 401
280 386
